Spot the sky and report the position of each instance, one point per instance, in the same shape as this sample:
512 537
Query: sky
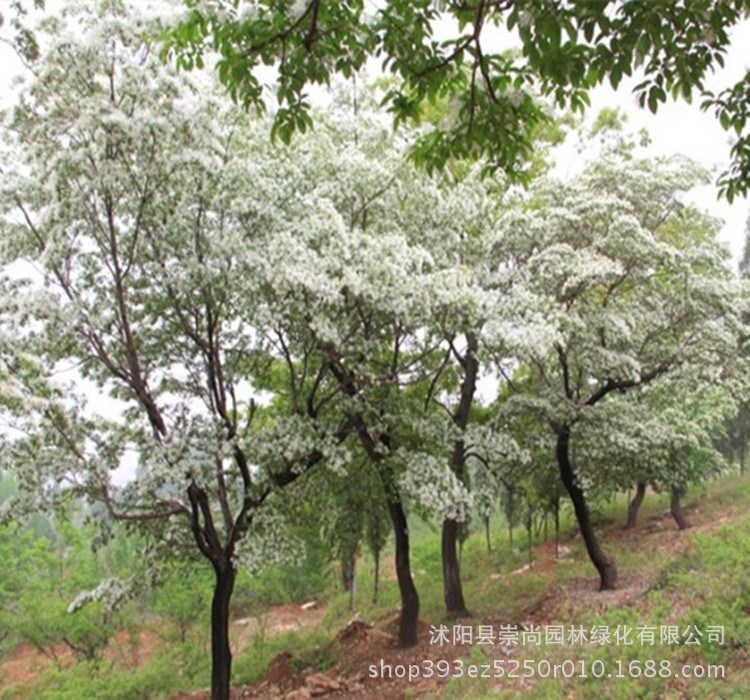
684 129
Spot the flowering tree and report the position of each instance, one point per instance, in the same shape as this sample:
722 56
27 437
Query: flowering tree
396 322
566 49
665 435
623 286
136 199
737 441
471 209
366 290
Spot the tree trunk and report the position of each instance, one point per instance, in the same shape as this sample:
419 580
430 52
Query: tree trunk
407 630
376 576
529 529
348 564
635 505
348 574
604 564
487 533
221 655
557 528
453 594
676 507
743 458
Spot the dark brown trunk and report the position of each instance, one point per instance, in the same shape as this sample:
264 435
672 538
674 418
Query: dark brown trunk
348 564
207 539
529 528
675 505
407 629
604 564
453 594
557 528
348 573
407 633
221 655
455 605
635 505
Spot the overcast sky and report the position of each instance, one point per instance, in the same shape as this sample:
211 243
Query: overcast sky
685 129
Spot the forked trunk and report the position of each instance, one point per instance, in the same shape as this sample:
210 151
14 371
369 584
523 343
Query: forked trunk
453 594
675 503
604 564
221 655
407 629
635 505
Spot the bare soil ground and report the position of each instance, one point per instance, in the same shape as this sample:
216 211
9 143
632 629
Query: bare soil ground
25 663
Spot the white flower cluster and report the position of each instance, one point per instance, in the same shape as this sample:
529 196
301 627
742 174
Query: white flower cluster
111 591
430 482
268 543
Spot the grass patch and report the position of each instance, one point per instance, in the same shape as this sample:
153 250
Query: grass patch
696 578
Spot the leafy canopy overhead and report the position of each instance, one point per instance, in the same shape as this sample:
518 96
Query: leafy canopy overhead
566 49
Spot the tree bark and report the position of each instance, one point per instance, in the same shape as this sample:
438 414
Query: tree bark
603 563
676 507
529 528
348 574
743 459
407 634
221 655
407 630
220 556
348 564
453 593
557 528
635 505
